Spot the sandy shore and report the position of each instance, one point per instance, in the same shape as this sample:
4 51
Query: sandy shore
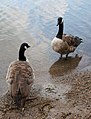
76 103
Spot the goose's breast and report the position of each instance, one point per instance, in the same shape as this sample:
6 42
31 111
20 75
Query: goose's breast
56 44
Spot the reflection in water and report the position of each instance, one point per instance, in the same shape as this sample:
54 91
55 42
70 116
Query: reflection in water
62 66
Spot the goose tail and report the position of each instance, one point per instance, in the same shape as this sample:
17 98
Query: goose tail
18 99
78 41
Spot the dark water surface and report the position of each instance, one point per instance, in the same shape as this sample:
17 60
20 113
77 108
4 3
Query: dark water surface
34 21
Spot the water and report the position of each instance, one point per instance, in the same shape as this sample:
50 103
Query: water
34 21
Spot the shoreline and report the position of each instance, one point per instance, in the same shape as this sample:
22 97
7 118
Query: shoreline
75 105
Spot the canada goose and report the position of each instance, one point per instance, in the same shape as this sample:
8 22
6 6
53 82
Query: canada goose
20 77
63 43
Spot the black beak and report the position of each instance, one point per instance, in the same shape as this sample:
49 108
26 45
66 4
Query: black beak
28 46
57 24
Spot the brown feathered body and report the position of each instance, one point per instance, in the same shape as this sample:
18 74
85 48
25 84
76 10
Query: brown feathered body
20 76
71 40
61 46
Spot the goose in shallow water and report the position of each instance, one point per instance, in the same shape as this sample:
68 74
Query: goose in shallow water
20 77
63 43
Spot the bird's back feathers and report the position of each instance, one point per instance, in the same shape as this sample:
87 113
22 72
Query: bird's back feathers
20 76
72 40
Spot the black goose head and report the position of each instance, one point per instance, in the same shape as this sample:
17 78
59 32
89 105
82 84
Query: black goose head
60 21
23 47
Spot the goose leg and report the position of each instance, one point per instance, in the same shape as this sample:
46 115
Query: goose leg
66 56
61 56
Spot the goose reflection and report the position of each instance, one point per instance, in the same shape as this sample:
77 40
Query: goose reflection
62 66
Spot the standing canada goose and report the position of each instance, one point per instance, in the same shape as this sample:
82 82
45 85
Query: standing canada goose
20 77
63 43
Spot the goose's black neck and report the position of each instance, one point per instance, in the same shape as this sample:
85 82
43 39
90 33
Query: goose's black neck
21 55
60 32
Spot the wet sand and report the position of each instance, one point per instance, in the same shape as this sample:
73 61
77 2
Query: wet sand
50 103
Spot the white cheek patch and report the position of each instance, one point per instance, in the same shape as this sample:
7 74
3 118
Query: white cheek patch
25 47
62 21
